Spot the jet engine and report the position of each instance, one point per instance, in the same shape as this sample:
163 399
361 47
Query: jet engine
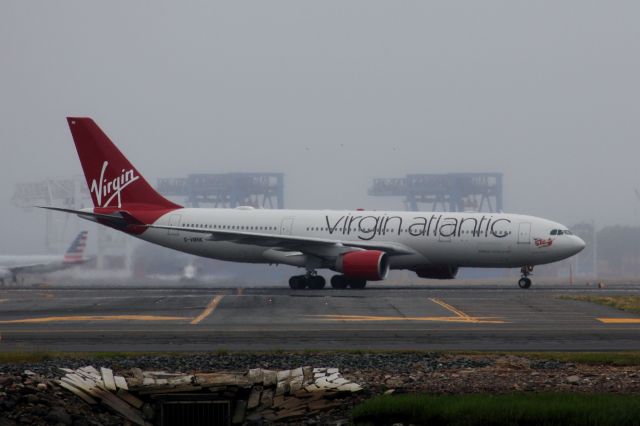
372 265
444 272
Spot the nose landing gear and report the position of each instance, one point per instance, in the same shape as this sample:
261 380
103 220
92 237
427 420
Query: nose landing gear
525 281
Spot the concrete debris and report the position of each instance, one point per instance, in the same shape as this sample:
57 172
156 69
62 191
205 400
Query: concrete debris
107 378
270 378
268 395
254 397
256 375
121 383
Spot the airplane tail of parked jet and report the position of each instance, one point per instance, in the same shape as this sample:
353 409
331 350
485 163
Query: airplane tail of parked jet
109 174
75 252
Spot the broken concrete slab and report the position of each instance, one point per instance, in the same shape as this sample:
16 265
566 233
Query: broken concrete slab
129 398
283 375
79 393
254 398
266 399
220 379
256 376
295 385
120 382
270 378
107 378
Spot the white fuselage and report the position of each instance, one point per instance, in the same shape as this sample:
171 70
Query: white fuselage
34 263
434 238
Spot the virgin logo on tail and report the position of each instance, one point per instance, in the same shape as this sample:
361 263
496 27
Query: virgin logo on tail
109 189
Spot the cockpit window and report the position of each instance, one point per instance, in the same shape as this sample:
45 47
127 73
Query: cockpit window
567 232
554 232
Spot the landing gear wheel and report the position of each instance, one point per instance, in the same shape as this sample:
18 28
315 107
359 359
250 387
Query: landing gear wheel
338 282
317 282
298 282
524 283
357 284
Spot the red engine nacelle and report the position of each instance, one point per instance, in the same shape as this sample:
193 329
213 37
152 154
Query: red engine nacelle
372 265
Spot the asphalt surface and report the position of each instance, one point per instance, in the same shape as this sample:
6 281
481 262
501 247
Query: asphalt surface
478 317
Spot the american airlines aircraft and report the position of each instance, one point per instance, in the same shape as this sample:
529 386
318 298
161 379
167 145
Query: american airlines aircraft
11 266
360 245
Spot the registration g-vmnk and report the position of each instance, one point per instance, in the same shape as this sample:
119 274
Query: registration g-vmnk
360 246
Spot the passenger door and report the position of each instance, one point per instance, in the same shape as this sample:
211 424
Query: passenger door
174 220
287 226
524 233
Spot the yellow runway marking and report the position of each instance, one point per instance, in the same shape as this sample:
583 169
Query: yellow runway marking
209 309
450 308
93 318
458 319
46 295
619 320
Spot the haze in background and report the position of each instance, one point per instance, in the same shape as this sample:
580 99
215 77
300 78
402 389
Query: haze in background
332 93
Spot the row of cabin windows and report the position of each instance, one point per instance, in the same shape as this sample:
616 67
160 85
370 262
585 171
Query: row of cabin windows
232 227
319 229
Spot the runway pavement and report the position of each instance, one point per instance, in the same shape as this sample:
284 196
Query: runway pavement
479 317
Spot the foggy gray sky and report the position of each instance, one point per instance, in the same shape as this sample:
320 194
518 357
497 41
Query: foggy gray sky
332 93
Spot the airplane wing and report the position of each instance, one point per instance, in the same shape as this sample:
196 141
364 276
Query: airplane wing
13 271
8 270
303 244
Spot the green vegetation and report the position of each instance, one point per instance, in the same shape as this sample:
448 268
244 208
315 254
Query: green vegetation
624 303
497 410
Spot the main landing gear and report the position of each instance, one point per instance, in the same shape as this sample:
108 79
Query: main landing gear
300 282
525 281
316 282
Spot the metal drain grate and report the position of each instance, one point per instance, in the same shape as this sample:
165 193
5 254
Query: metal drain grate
195 412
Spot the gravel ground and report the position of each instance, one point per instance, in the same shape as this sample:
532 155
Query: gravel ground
33 399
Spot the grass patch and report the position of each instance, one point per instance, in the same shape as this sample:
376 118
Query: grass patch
497 410
624 303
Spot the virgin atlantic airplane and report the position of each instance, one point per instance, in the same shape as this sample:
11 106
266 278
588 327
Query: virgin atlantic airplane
360 245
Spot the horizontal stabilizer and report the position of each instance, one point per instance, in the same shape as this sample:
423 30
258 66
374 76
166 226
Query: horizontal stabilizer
117 219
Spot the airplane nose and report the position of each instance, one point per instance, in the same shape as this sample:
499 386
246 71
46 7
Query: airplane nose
579 244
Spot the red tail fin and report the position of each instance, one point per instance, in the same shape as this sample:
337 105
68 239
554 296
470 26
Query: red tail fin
112 179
